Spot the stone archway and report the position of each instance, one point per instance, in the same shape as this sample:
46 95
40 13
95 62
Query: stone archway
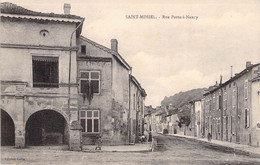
46 127
7 129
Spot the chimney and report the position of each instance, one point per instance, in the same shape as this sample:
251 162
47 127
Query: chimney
66 8
114 44
248 63
231 71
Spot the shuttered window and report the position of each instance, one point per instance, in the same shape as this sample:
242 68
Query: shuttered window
247 118
246 89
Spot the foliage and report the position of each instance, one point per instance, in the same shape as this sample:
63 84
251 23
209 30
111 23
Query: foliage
184 120
182 98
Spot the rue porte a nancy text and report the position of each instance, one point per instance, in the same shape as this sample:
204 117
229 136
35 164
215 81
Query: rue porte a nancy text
190 17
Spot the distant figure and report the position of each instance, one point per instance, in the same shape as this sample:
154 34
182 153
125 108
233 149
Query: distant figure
150 136
141 137
146 134
98 142
209 137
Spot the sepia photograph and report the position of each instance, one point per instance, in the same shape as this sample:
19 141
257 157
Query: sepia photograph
134 82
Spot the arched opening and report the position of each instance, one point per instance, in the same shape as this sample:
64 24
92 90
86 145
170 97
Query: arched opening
7 129
46 127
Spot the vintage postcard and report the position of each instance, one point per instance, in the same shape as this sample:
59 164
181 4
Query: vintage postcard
130 82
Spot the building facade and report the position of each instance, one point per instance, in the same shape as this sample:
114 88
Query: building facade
137 110
41 103
229 108
196 117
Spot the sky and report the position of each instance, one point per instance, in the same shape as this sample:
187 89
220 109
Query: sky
171 55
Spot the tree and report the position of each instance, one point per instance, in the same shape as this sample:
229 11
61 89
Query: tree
184 120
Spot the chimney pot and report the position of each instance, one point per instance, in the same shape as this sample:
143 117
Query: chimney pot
66 8
114 44
248 63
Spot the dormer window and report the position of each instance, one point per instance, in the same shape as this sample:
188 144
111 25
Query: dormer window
83 49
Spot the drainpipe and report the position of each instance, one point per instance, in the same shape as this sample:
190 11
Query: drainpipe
237 113
129 120
70 49
221 114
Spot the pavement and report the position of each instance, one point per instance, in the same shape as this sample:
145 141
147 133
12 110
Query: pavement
238 148
139 147
175 150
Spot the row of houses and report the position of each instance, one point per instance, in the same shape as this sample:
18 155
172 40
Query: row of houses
59 87
228 111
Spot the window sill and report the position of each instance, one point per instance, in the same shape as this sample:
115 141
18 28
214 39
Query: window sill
45 87
91 133
94 94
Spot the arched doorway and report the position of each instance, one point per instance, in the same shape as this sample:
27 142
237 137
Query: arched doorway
46 127
7 129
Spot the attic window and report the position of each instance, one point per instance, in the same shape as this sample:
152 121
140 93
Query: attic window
44 33
83 49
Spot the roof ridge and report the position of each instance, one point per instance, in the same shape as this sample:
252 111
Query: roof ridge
11 8
99 45
108 50
233 78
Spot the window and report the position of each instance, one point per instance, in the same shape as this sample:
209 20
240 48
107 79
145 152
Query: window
219 102
214 101
225 100
89 81
83 49
134 103
44 33
234 98
247 118
45 71
231 124
246 89
89 120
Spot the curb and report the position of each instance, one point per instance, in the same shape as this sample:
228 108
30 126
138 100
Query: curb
227 148
149 149
106 151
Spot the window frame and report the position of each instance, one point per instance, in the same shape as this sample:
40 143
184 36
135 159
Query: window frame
85 47
57 61
99 80
92 119
247 118
246 90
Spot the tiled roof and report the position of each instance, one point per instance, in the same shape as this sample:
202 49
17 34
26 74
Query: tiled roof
256 78
233 78
139 86
10 8
118 56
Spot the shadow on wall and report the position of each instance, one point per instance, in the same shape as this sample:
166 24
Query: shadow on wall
7 129
46 127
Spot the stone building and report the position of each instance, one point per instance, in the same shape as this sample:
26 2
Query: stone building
148 117
137 108
196 117
40 103
231 108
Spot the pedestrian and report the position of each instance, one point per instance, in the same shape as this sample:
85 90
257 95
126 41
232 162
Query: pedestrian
150 136
146 134
98 142
209 137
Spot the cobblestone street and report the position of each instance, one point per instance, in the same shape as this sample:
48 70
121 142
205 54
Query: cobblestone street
173 150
